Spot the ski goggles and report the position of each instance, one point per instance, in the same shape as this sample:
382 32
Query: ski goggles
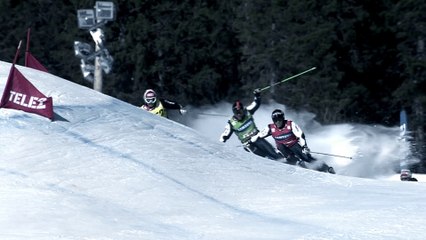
150 100
277 117
278 121
239 114
238 111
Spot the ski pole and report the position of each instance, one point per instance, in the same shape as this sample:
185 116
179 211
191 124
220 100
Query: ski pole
287 79
333 155
213 114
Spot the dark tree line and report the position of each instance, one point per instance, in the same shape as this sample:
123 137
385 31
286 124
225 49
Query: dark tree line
369 55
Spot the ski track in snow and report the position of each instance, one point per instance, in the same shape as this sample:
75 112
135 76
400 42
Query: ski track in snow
115 153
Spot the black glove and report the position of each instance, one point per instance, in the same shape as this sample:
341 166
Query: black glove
256 92
223 138
306 150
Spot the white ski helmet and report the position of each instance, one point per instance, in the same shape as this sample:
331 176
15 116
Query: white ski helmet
150 97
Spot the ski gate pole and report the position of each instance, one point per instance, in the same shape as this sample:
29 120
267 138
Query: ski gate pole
287 79
333 155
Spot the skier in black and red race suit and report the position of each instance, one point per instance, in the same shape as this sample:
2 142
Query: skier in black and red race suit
291 142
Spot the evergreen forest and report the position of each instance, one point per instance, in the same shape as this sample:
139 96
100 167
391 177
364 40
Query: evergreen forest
369 55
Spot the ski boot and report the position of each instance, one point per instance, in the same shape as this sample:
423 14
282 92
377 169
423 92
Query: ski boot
326 168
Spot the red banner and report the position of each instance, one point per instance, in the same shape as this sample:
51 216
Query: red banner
20 94
32 62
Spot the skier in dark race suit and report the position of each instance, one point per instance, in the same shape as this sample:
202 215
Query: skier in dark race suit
291 142
243 125
406 175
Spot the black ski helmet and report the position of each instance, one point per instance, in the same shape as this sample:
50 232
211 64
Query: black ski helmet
278 115
238 109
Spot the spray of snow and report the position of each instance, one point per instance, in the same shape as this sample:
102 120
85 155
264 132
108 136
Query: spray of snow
367 151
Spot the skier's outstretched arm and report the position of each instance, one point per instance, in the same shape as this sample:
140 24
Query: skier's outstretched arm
266 132
226 133
252 108
170 104
297 131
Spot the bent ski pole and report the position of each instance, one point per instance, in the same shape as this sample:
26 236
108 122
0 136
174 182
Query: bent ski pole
333 155
287 79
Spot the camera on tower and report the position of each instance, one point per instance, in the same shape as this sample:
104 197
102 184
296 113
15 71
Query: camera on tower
105 11
86 18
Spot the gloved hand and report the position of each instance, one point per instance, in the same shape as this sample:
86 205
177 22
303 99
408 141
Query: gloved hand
306 150
256 92
223 138
254 138
182 111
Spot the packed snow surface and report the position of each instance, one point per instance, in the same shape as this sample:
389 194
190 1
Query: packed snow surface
105 169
